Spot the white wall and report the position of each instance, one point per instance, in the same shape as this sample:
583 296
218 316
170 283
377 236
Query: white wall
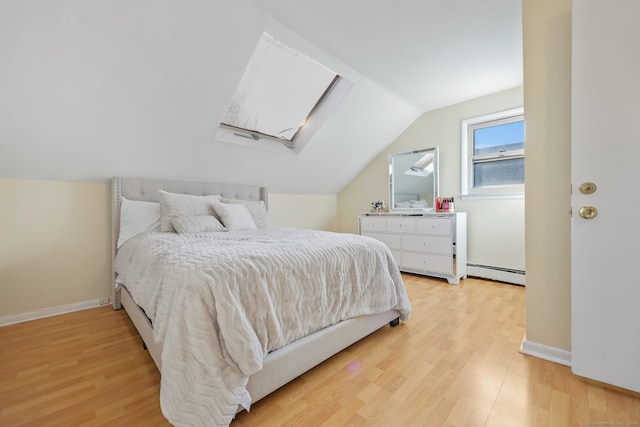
55 240
315 212
495 227
55 244
93 89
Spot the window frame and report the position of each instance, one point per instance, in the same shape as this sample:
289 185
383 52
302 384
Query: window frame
319 113
507 191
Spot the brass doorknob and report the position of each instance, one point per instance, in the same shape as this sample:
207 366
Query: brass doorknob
588 188
588 212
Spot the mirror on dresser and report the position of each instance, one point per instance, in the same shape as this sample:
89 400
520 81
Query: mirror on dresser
413 180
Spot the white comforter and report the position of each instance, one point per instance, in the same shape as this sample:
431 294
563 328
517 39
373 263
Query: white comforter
219 302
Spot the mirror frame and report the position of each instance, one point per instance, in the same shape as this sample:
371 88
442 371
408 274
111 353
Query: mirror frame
436 181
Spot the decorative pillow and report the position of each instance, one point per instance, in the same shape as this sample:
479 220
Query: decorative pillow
173 205
403 205
137 217
196 224
234 216
257 210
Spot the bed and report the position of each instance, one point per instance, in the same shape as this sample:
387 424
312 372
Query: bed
176 344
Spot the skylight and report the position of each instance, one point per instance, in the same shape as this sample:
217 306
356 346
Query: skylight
280 91
423 167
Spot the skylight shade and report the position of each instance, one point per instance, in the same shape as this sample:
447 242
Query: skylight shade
423 167
424 162
278 91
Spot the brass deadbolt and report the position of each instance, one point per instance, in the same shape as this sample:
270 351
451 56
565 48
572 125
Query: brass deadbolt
588 212
588 188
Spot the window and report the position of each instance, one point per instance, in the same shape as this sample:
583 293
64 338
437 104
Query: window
283 97
493 155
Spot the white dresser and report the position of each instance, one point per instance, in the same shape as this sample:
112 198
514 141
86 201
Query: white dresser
433 244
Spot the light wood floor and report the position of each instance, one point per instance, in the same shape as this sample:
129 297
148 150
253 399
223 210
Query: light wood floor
454 363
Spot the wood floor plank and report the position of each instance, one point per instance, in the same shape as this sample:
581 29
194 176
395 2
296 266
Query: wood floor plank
454 363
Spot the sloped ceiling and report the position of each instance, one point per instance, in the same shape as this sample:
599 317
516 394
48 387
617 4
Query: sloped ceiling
431 53
138 87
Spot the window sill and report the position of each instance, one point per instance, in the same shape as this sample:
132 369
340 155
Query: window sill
227 135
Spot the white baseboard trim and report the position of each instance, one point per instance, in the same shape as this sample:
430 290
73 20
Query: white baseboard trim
516 277
53 311
541 351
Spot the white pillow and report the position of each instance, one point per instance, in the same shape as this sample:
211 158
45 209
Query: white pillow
403 205
257 210
137 217
419 203
173 205
234 216
196 224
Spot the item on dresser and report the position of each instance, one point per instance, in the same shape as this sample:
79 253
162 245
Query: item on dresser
377 206
445 204
428 244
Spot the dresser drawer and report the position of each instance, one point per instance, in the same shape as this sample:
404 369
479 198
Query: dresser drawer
373 224
434 244
391 240
401 225
439 226
427 262
431 244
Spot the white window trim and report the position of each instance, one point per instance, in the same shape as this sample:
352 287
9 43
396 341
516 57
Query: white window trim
515 191
304 135
321 112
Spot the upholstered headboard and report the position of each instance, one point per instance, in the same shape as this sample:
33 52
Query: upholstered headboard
147 190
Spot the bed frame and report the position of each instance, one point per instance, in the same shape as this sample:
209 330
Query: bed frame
280 366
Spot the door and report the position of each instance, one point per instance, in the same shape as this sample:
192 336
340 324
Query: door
605 292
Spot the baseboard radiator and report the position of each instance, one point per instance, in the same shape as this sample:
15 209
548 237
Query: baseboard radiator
508 275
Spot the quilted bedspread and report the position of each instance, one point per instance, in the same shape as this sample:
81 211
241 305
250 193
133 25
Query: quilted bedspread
219 302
